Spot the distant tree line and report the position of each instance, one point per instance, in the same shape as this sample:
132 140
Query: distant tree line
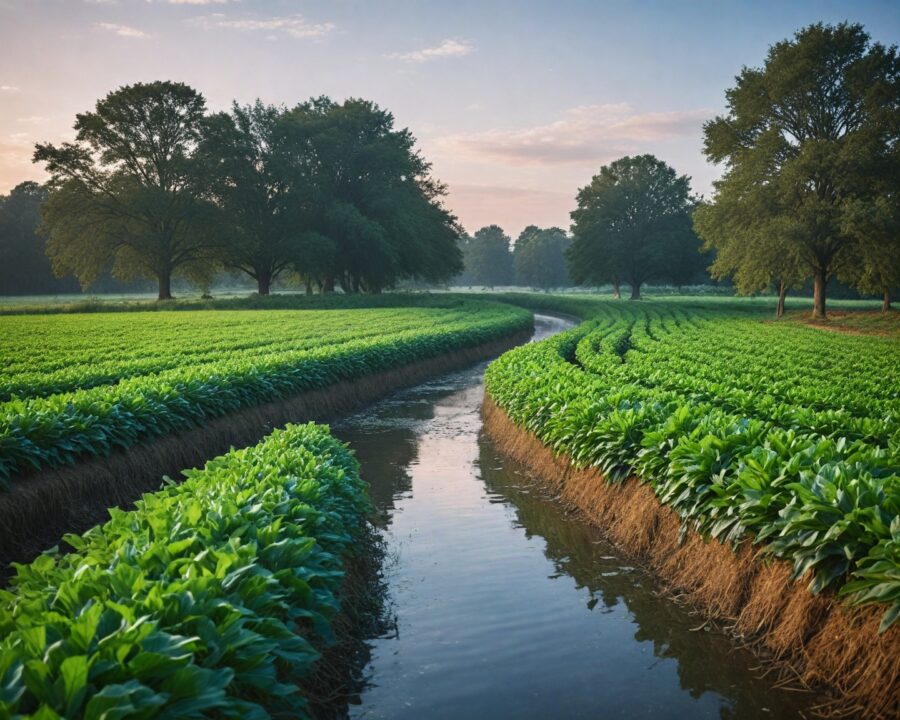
333 195
154 186
632 226
811 190
536 259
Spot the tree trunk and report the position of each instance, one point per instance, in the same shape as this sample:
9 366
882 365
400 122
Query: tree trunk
886 301
309 287
263 282
617 294
819 281
636 291
328 284
165 286
782 290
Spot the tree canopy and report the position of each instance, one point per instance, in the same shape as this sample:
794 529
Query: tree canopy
126 194
539 257
487 258
153 186
24 266
260 193
368 195
809 144
632 225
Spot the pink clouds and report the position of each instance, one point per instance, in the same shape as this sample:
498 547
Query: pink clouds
588 134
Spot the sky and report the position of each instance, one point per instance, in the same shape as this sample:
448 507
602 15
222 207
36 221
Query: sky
516 104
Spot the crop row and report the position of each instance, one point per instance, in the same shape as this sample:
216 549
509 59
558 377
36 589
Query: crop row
209 599
809 469
45 355
48 431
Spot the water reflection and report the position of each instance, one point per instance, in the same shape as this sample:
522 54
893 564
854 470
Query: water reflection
705 662
507 607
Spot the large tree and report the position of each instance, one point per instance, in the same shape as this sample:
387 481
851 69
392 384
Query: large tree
126 194
262 196
371 195
487 257
632 225
803 138
539 257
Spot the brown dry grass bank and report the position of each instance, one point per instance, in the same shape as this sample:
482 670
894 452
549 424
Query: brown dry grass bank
44 505
813 639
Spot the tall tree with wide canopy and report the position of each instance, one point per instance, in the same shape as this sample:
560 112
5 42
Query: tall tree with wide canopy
370 193
539 257
126 194
487 257
262 196
631 224
804 136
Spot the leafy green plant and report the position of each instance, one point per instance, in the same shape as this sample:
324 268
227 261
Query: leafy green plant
176 372
733 426
209 598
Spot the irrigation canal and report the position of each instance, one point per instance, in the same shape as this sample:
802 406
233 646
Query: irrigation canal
503 605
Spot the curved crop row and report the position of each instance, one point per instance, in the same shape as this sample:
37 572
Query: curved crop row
206 600
48 431
49 354
811 470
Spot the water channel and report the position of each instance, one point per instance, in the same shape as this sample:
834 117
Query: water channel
504 605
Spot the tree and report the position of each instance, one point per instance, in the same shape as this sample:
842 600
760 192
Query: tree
487 257
803 136
750 245
24 266
631 224
262 196
875 227
126 194
371 195
539 257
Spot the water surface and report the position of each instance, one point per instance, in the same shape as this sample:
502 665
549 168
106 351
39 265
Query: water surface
503 605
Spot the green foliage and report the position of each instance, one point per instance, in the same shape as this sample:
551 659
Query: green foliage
126 194
487 258
208 599
807 139
65 398
539 258
359 184
261 195
632 225
24 266
733 427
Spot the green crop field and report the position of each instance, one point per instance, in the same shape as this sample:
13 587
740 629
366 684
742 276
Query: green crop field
781 432
84 384
209 599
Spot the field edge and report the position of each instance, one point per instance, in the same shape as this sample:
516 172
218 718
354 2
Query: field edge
816 640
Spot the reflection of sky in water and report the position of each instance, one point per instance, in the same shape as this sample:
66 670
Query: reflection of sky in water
509 607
